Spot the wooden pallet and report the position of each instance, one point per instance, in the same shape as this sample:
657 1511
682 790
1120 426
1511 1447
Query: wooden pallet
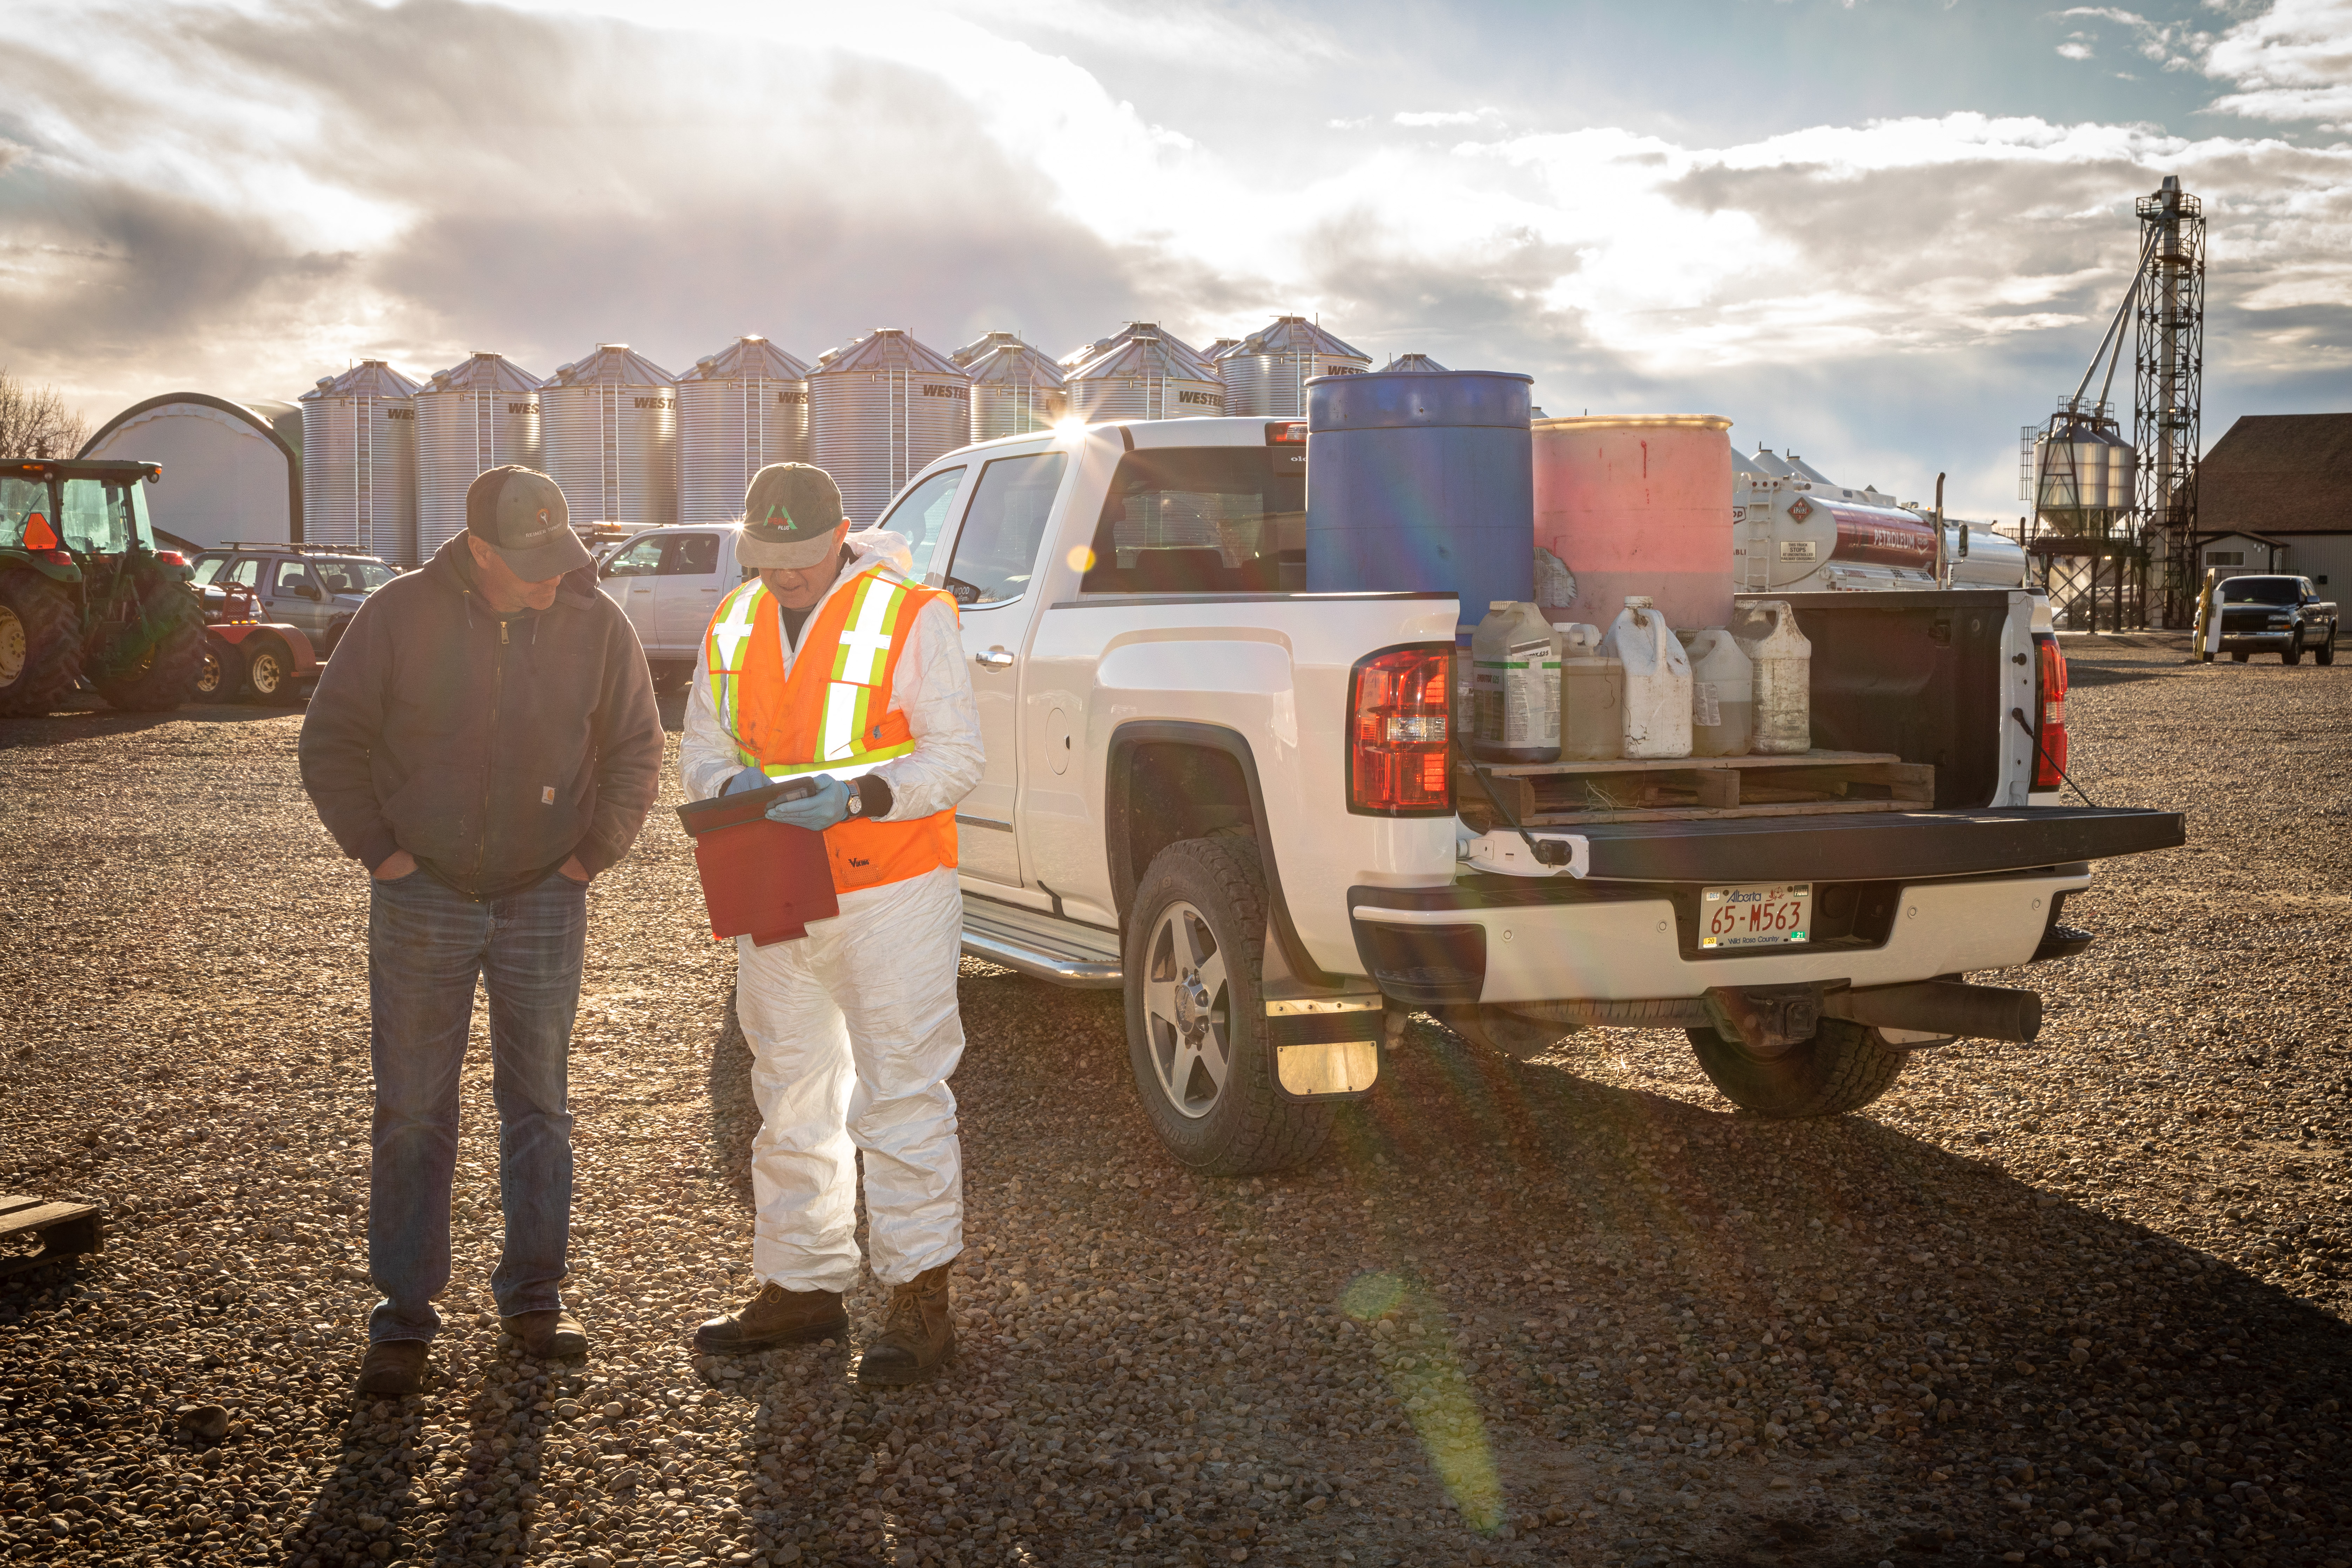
65 1229
1562 793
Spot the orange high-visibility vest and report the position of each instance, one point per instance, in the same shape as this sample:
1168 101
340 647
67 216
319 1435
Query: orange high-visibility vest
832 713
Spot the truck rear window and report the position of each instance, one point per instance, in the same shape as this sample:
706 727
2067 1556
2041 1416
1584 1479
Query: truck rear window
1202 520
2262 591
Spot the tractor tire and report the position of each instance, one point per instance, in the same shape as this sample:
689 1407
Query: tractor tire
1842 1067
269 671
222 676
1196 1019
41 643
162 671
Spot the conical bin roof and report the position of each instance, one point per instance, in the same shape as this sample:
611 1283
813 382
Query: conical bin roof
748 358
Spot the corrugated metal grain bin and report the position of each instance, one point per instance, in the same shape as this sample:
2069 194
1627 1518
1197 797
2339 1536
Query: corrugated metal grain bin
609 427
1265 377
1145 378
880 408
738 410
478 415
1014 390
359 462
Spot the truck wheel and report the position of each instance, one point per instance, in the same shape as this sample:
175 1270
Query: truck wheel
2325 652
2292 652
222 676
269 671
1195 1021
41 643
1842 1067
162 671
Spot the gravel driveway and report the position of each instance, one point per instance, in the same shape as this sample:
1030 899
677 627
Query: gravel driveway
2081 1301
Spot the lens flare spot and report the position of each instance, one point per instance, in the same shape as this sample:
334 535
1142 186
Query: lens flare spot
1081 559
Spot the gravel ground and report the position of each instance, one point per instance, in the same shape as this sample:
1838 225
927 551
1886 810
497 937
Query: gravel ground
2079 1301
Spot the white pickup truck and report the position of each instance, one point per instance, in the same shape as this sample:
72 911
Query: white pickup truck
1236 799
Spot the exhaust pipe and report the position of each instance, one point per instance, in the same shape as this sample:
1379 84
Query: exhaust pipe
1943 1007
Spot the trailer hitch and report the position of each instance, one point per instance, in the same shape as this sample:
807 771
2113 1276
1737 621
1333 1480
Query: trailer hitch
1769 1020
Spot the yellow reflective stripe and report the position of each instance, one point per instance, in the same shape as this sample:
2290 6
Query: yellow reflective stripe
867 633
731 627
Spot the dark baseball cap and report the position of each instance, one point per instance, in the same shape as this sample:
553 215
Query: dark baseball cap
789 517
519 513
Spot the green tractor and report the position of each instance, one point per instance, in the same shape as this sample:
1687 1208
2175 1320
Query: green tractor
86 596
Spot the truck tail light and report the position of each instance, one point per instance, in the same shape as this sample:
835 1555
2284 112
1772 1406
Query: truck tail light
2049 713
1399 762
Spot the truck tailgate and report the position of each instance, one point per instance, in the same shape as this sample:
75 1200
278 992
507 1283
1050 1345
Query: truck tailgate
1895 846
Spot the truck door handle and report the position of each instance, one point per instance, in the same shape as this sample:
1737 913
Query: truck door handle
994 658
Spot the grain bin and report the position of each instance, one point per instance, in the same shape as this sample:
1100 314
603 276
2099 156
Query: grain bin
1413 362
1265 377
1638 504
1145 378
738 410
608 424
880 408
478 415
982 345
1196 364
1420 481
1014 390
359 462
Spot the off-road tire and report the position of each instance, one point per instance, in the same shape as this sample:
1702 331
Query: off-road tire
221 679
2292 652
1842 1067
2325 652
1251 1127
43 615
155 666
269 670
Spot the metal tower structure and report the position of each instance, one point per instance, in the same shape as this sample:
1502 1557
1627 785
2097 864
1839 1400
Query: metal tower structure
2169 385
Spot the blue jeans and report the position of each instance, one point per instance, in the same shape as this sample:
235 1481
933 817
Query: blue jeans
427 948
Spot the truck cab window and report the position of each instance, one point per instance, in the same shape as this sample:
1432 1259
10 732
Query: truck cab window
923 517
996 554
691 555
641 559
1202 520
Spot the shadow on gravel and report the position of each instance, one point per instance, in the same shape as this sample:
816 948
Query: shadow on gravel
102 723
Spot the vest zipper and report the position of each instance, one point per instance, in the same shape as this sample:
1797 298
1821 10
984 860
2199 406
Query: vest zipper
498 689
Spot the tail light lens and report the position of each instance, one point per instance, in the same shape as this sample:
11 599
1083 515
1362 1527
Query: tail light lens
2048 713
1399 763
170 558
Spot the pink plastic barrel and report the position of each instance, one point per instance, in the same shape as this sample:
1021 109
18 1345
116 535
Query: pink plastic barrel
1638 504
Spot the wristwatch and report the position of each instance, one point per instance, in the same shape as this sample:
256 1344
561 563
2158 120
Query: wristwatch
856 801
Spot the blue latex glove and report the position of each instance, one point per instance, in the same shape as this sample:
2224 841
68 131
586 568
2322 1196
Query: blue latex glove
816 812
748 778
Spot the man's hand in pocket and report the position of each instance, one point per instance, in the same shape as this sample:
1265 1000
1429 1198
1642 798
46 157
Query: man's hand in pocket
396 865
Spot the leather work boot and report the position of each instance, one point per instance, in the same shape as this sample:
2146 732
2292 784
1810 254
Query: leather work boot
919 1335
775 1316
551 1335
393 1367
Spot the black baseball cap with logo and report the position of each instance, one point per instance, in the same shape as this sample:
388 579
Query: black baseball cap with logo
790 514
519 513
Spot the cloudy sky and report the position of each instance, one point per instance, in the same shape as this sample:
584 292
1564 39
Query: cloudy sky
1881 233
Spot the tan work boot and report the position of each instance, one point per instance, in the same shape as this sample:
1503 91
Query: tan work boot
775 1316
551 1335
392 1368
919 1335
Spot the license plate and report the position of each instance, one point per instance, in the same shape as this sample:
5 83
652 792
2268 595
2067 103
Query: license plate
1758 915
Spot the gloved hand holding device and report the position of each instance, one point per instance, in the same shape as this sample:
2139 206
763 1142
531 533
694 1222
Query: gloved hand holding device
749 778
816 812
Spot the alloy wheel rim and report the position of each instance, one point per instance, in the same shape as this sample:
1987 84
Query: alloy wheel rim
1187 1011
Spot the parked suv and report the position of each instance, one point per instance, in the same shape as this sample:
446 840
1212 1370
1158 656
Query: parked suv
316 589
2285 615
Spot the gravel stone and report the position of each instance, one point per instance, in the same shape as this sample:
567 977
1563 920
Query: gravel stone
2081 1303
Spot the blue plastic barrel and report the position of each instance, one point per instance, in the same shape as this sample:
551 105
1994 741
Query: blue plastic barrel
1421 481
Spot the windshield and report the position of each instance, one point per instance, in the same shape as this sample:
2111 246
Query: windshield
103 517
2262 591
21 500
350 576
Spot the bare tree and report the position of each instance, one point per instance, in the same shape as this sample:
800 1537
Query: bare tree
35 423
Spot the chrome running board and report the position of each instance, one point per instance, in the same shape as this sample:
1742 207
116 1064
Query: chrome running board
1037 943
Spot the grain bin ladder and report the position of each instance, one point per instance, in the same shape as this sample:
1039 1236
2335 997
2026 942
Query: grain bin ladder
65 1229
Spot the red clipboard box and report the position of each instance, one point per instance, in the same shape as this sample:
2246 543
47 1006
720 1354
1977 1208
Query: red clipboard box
763 879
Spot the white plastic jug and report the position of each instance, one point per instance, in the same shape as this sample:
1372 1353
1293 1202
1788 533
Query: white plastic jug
1723 694
1591 696
1657 681
1515 686
1766 630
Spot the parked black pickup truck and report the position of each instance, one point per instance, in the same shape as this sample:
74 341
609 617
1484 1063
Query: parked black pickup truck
2285 615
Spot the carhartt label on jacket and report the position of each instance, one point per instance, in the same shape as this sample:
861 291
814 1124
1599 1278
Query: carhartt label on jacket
547 794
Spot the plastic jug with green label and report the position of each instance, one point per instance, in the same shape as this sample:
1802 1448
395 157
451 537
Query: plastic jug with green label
1515 686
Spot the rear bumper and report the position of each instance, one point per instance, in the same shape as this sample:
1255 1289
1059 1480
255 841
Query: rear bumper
1971 890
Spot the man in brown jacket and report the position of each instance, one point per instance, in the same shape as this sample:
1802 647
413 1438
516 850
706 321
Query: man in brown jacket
485 743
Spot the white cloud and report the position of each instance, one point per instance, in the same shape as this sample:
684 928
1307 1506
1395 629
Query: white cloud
2074 49
2292 62
1447 117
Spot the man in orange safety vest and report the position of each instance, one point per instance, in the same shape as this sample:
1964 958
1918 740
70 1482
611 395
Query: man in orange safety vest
831 662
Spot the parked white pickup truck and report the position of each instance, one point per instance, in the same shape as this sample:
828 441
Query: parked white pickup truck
1237 800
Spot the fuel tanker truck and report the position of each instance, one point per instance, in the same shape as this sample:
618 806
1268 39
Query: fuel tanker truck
1797 530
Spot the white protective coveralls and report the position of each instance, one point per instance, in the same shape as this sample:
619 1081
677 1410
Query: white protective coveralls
853 1029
